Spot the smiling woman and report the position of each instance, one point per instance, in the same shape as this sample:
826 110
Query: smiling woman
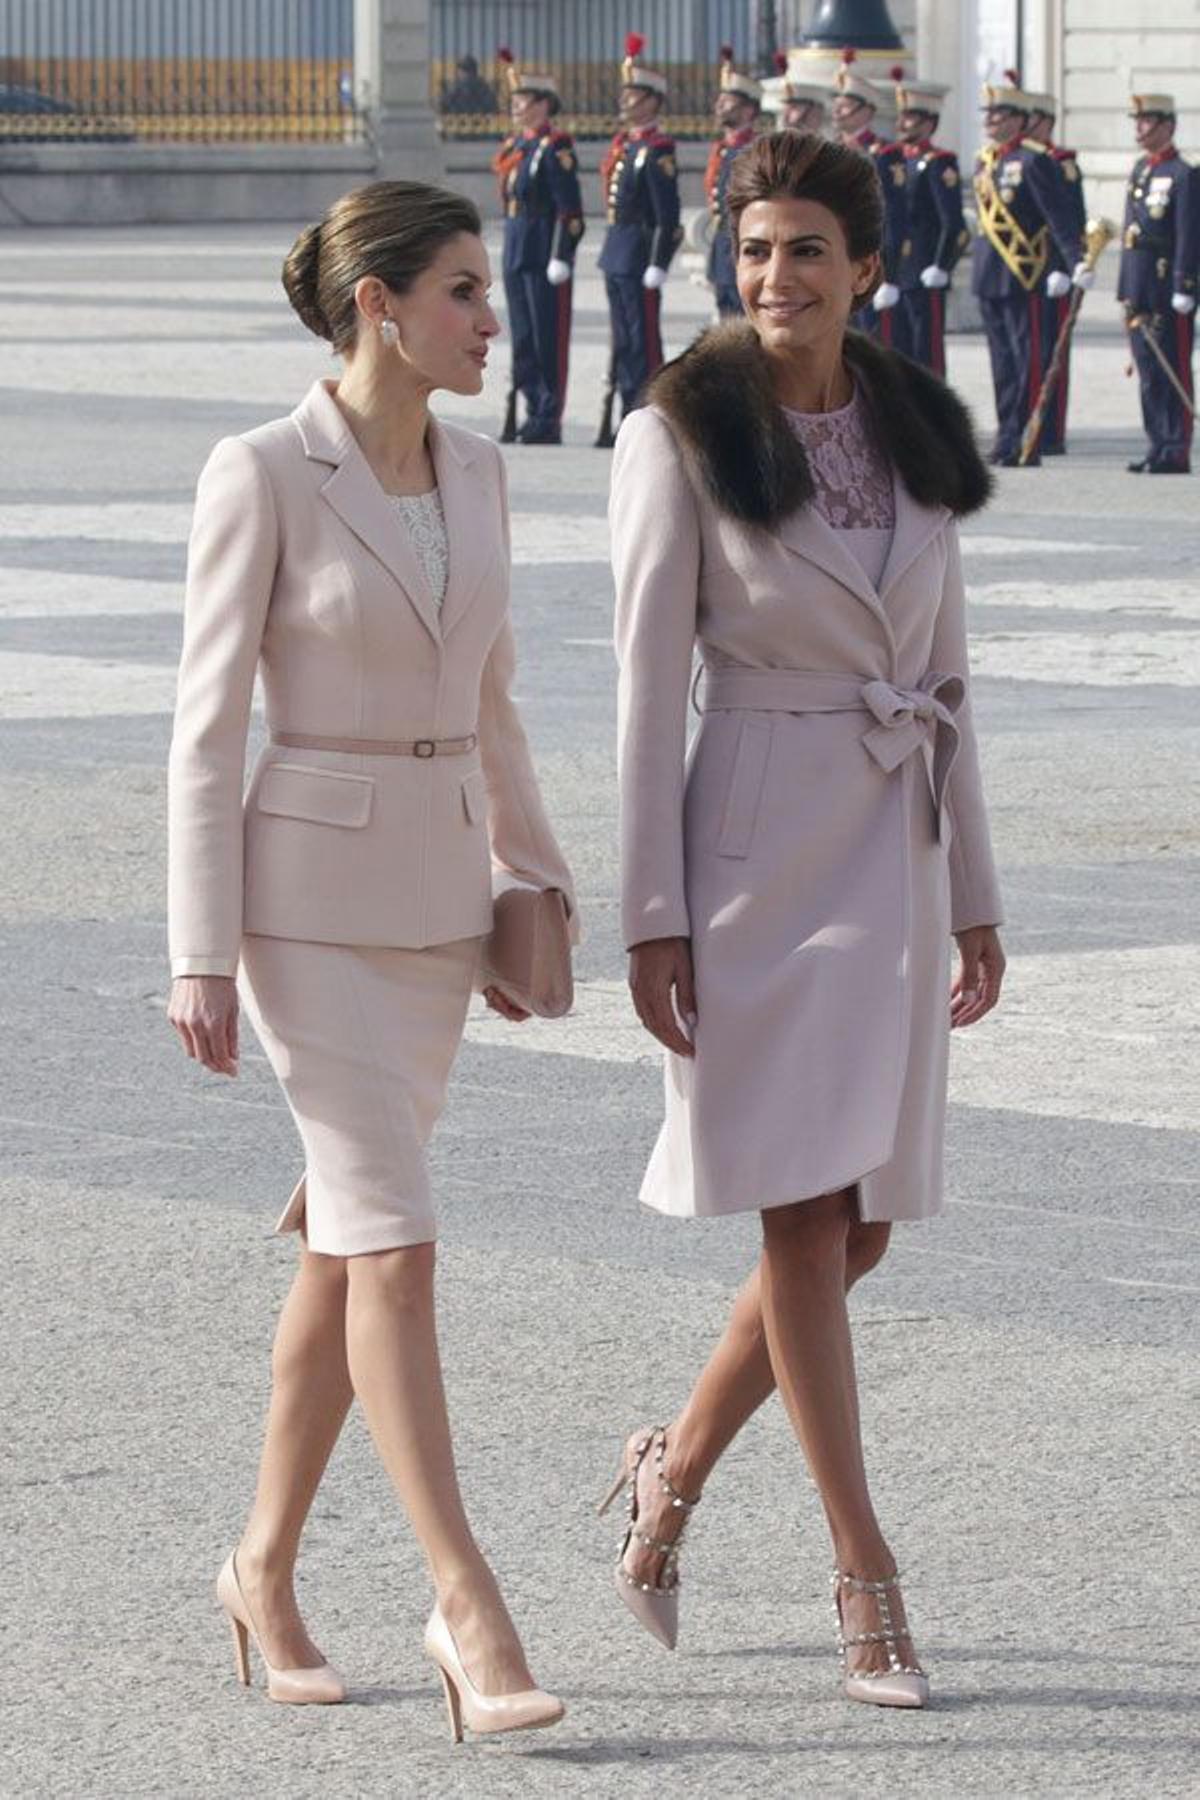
786 505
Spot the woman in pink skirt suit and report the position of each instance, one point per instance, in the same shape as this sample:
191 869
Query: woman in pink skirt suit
357 553
786 505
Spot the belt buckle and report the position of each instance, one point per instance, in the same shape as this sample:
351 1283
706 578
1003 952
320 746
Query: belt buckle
424 747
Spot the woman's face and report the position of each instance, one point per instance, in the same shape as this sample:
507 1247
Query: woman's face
445 319
796 278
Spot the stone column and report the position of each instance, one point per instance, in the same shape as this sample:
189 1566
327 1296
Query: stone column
391 69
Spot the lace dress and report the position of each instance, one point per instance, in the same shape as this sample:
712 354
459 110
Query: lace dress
425 522
853 479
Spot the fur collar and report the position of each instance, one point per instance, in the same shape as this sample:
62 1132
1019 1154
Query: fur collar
717 399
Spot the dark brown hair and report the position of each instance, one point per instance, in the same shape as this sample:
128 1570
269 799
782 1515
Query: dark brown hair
392 229
798 165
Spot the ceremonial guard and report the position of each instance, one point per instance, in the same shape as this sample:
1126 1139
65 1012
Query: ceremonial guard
737 107
856 102
1053 439
543 223
930 226
641 199
1159 257
1022 211
802 104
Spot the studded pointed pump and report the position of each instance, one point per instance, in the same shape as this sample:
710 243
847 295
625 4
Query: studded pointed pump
654 1604
903 1682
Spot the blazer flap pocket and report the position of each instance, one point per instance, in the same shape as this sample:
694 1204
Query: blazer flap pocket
745 787
474 793
325 796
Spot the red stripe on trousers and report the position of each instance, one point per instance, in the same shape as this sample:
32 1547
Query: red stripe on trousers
885 327
1183 356
1035 352
937 334
1062 308
562 326
651 317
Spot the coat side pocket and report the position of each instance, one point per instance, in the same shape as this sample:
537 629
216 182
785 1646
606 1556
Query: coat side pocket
474 793
322 796
746 783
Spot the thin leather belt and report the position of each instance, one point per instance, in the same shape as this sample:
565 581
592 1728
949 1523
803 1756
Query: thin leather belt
907 719
422 747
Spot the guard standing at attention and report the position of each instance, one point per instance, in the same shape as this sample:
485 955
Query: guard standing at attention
930 225
1057 304
802 104
1022 210
543 223
640 183
1157 284
737 108
854 109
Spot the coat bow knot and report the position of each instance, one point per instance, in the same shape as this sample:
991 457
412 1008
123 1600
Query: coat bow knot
916 719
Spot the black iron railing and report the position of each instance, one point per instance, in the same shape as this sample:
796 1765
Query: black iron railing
580 43
178 71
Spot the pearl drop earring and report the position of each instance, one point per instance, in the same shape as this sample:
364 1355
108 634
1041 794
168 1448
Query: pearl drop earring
388 332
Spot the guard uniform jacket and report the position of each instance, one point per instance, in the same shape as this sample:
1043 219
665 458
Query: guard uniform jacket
721 159
930 209
1161 243
641 202
1035 202
539 184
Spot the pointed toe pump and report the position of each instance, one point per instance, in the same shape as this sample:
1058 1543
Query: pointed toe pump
528 1710
322 1686
654 1604
903 1682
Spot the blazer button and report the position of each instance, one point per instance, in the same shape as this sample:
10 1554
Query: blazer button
424 747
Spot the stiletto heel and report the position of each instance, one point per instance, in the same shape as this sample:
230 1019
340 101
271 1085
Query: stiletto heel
453 1706
655 1605
614 1490
241 1650
901 1683
527 1710
322 1686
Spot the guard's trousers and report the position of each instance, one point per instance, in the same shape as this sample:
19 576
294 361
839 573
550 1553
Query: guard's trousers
1014 329
920 326
1167 420
539 323
635 317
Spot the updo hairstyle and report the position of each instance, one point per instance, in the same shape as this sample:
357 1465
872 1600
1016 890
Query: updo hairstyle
796 165
392 229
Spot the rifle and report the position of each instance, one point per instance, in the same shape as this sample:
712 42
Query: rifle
604 439
508 433
1099 232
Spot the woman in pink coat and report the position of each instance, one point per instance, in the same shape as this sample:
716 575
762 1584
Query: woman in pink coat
786 505
356 553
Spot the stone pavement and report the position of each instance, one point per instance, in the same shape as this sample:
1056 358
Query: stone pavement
1027 1361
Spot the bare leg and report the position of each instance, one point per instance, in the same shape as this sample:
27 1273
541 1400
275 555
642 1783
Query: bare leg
733 1384
310 1396
391 1339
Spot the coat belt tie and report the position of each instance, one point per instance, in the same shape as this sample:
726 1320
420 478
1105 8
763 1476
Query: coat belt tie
907 720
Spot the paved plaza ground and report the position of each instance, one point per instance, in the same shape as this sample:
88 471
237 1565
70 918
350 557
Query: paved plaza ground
1027 1361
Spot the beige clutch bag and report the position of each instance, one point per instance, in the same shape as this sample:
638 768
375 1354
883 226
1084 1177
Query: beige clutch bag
528 952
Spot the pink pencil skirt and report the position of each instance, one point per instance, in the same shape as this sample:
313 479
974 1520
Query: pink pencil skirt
363 1041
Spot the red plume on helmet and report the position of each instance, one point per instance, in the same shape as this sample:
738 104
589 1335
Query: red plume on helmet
849 54
635 43
781 62
726 53
1012 77
896 72
504 54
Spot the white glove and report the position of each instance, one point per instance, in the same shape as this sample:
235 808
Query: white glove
885 297
933 277
557 272
1183 303
1082 277
1058 283
654 277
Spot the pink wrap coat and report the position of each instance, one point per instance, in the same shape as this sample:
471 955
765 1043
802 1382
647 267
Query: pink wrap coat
820 843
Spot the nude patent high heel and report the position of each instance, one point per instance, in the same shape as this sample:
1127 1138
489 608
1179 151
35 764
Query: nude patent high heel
655 1605
322 1686
527 1710
902 1683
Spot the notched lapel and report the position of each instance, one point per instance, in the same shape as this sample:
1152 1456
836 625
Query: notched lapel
809 535
916 527
471 546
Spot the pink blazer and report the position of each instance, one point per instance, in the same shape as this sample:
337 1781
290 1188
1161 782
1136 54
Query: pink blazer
299 565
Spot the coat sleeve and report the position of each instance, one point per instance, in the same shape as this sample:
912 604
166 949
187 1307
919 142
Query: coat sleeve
974 888
655 531
563 175
1052 193
232 556
662 187
1187 233
522 842
945 187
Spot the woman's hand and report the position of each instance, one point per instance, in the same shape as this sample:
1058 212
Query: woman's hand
664 991
204 1011
508 1009
980 974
